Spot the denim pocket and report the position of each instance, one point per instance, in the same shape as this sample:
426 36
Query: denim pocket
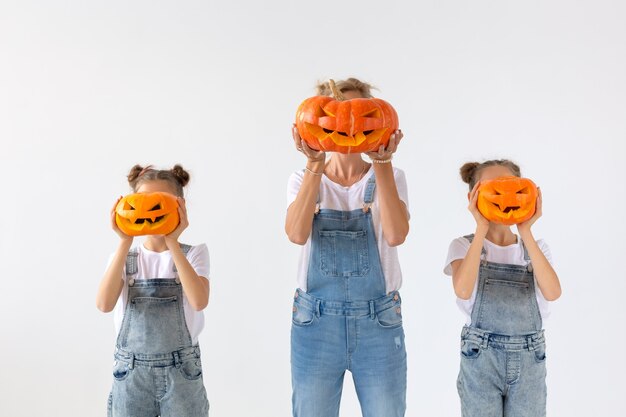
540 352
343 254
390 318
469 349
121 370
302 316
191 369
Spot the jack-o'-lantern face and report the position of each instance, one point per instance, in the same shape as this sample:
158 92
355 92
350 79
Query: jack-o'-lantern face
507 200
348 126
154 213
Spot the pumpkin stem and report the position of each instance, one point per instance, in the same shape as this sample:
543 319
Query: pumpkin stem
336 93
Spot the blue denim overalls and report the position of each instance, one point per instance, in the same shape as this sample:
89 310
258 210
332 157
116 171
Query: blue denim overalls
346 321
157 369
503 351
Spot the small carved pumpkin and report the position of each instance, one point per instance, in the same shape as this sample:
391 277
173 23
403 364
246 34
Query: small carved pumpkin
147 214
507 200
346 126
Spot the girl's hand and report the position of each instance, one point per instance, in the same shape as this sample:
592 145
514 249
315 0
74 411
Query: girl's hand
482 224
172 237
383 153
311 154
524 227
114 226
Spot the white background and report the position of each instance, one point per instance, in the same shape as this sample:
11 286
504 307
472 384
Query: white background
89 88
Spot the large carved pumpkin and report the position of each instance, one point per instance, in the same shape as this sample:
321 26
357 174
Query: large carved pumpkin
507 200
147 214
346 126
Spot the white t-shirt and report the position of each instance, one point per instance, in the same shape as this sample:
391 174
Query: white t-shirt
161 265
511 254
337 197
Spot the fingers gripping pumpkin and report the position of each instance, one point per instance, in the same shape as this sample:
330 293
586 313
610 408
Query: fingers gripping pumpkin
507 200
147 214
346 126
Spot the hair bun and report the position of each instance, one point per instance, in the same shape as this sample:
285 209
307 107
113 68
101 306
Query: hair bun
134 174
467 171
180 174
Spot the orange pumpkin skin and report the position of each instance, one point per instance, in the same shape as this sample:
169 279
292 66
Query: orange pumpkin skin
347 126
507 200
147 214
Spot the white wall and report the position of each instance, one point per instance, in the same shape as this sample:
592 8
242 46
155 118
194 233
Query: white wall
87 89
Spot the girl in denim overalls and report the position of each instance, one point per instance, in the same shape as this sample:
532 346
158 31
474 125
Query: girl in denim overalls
349 215
162 287
503 283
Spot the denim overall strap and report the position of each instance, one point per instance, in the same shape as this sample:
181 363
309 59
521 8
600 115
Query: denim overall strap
483 252
344 263
505 299
154 321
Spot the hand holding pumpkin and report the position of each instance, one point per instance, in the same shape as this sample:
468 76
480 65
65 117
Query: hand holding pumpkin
524 227
385 153
114 225
482 224
301 145
171 239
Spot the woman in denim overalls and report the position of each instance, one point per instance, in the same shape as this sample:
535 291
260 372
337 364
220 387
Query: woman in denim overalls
503 283
350 215
157 358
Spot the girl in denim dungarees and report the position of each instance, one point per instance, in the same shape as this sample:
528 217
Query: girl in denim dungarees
162 289
503 283
349 215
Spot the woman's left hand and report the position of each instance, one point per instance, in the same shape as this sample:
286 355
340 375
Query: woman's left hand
385 153
525 226
172 237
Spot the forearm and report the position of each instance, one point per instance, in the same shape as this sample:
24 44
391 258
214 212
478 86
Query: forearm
300 213
112 282
465 273
546 277
393 212
195 287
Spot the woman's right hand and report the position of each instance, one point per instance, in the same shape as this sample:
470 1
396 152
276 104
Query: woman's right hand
114 226
482 224
311 154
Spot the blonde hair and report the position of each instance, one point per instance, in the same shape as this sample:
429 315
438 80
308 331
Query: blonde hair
351 84
176 176
469 171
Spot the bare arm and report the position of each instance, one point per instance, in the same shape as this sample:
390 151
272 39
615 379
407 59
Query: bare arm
195 287
546 277
465 271
299 220
394 216
112 282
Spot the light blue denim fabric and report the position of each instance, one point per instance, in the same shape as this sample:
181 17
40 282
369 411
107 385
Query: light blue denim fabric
157 370
345 321
503 357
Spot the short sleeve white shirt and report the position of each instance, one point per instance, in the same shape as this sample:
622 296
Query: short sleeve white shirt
511 254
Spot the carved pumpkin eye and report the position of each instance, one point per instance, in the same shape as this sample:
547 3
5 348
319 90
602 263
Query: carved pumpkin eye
147 214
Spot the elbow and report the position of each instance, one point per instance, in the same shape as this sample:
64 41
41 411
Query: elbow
104 306
463 295
553 296
199 305
298 239
393 241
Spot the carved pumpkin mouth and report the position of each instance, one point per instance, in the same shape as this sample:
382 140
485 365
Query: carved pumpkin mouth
344 138
506 209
